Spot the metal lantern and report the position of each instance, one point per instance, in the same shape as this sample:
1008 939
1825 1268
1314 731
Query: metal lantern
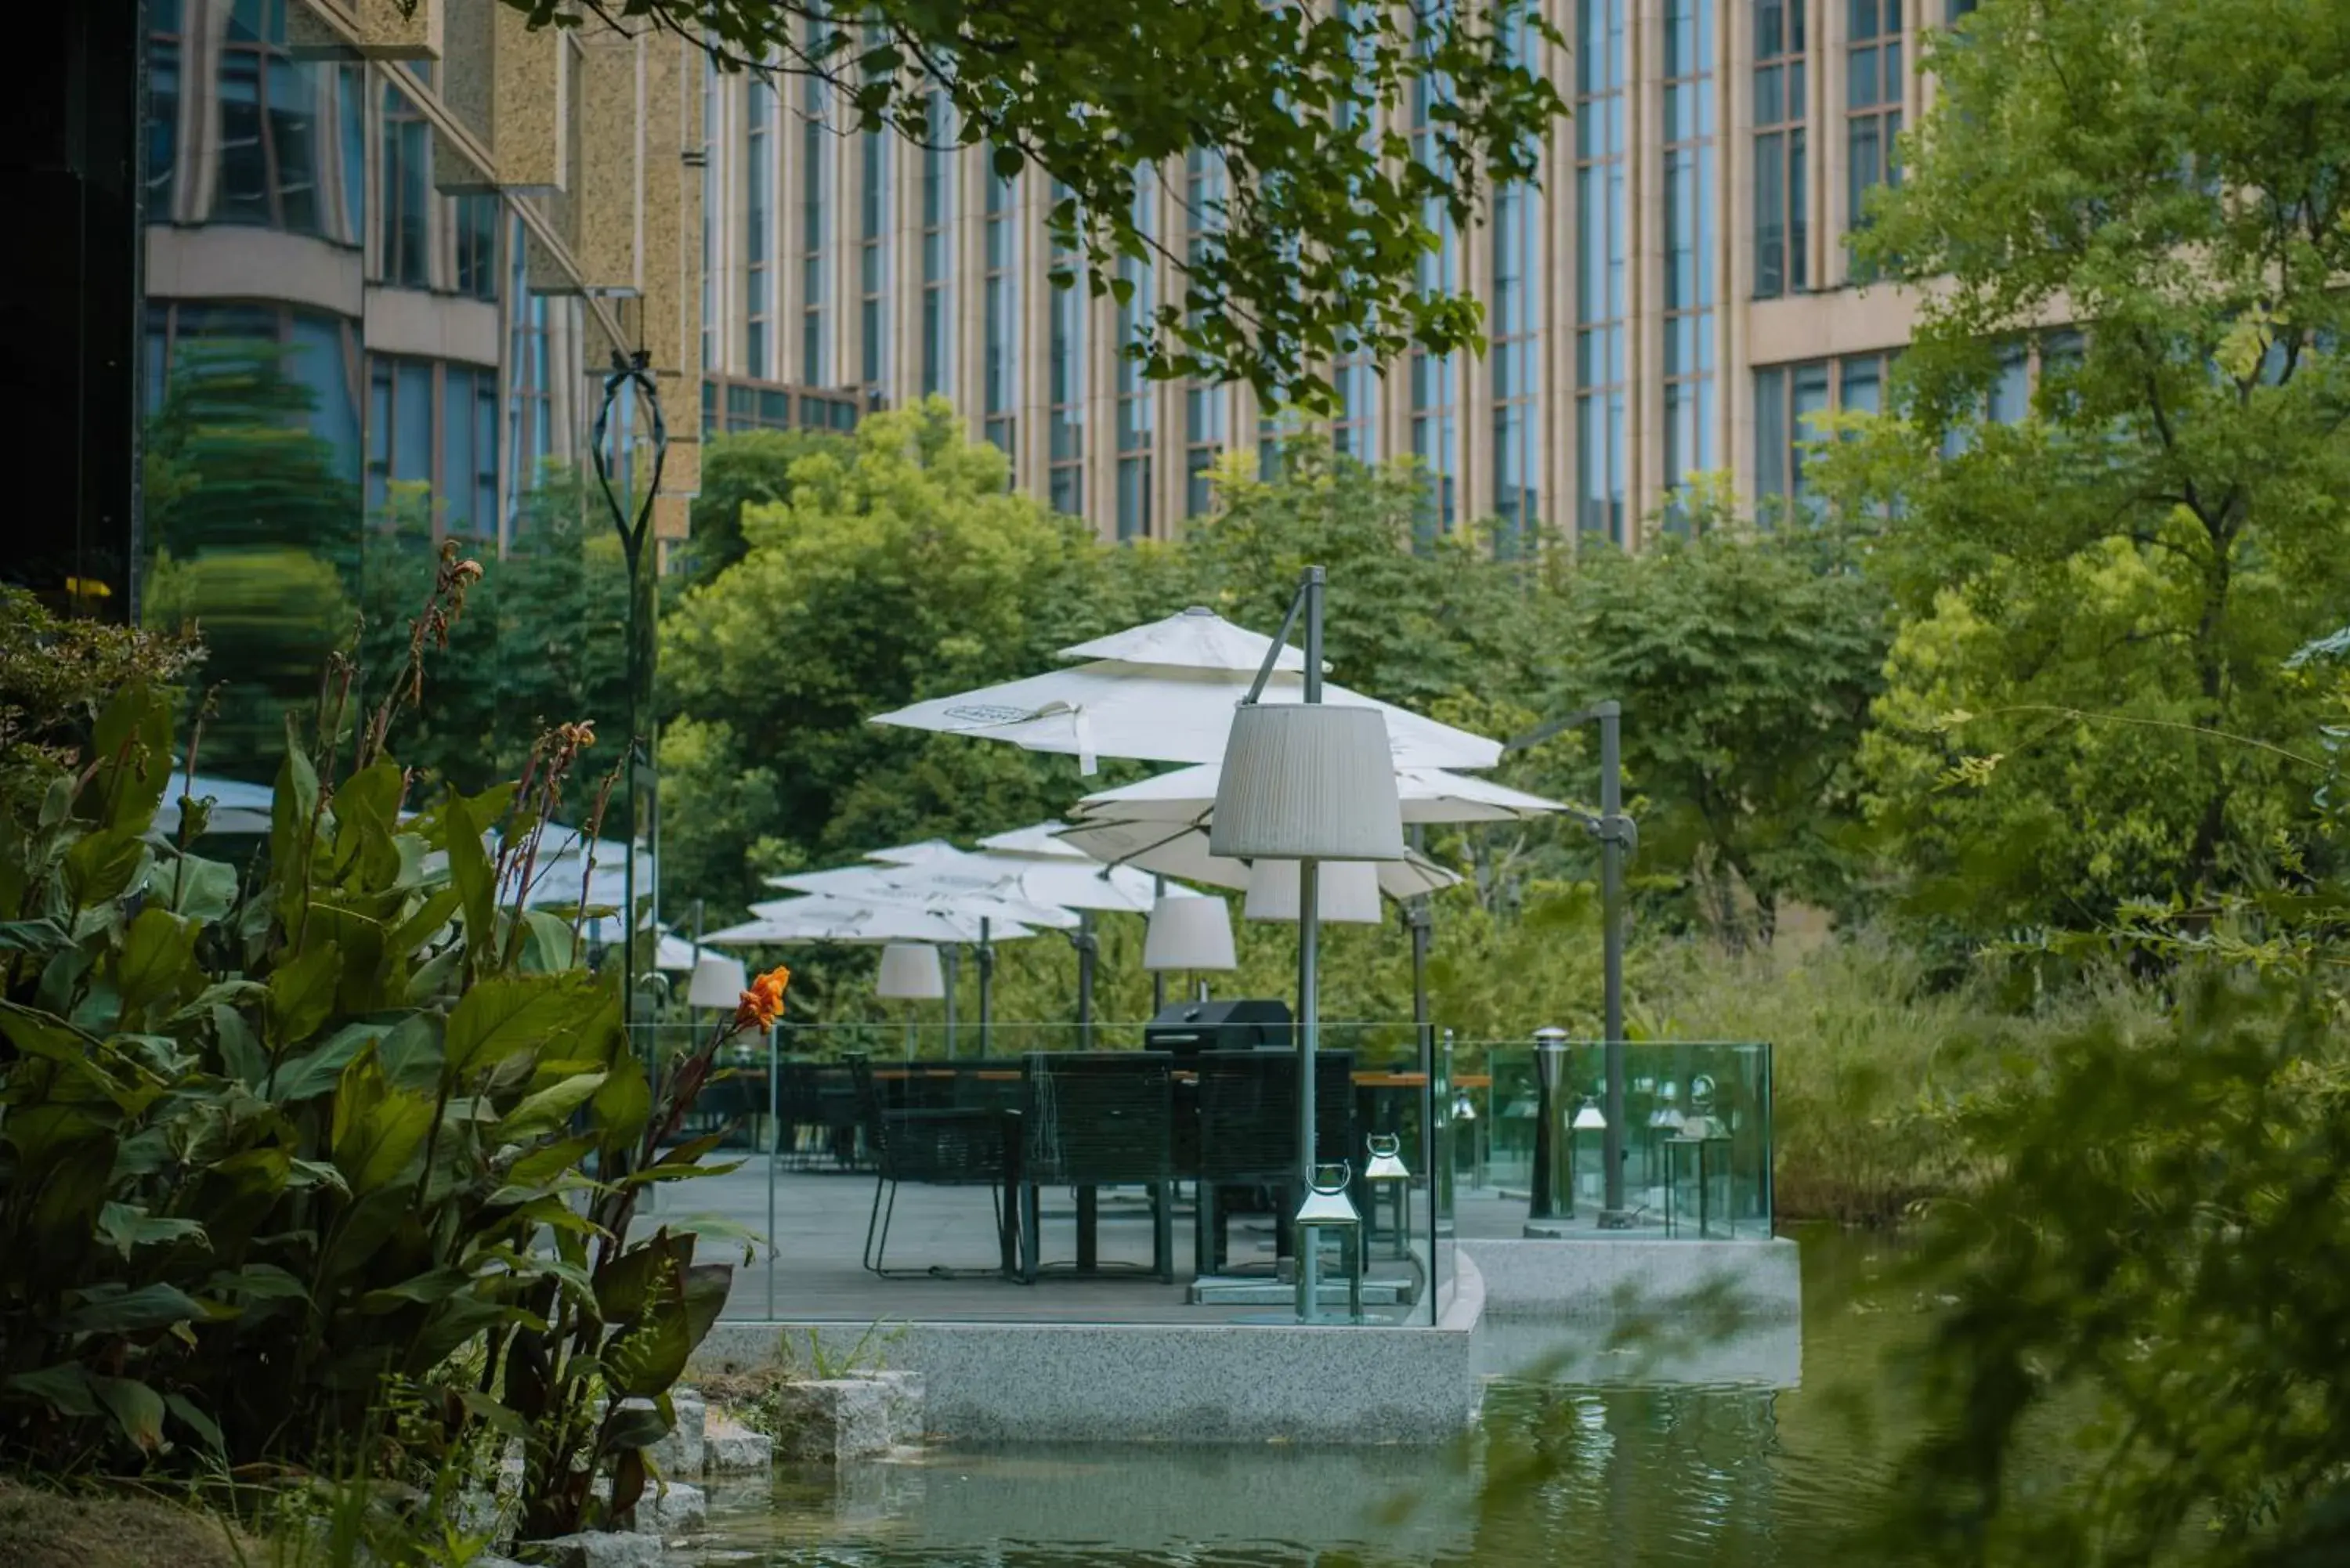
1328 1212
1665 1121
1386 1177
1549 1194
1586 1154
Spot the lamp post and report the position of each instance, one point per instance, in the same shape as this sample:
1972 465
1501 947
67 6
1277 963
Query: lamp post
630 379
1617 836
1308 783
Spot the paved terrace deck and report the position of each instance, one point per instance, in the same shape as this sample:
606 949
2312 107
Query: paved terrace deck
819 1231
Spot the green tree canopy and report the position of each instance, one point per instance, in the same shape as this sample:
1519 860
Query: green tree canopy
900 567
2105 595
1326 199
1746 666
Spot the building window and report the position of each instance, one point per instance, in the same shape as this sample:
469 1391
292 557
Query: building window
998 393
1781 183
1958 8
758 217
709 114
1603 230
938 250
531 389
1435 380
1066 455
1788 402
2011 390
730 405
479 219
1688 241
815 202
269 126
1138 396
1871 103
873 261
436 425
1205 416
407 192
1516 327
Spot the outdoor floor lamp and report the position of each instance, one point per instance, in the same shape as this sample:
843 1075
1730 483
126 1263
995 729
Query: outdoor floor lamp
1307 783
1187 936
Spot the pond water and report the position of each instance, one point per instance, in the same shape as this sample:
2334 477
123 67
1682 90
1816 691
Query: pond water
1575 1467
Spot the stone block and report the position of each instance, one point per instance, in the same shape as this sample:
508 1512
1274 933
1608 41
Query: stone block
902 1407
683 1454
671 1511
732 1448
597 1549
826 1421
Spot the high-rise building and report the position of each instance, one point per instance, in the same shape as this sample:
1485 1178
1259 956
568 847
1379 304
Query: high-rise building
1672 299
428 230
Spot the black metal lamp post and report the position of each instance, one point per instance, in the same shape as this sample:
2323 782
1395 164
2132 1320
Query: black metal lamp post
630 375
1618 836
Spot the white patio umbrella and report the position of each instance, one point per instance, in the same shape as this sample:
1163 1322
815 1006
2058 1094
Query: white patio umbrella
1187 796
236 806
1037 841
1429 795
1180 849
1168 698
823 919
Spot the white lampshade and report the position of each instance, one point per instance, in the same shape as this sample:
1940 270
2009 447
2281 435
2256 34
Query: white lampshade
1307 781
1189 933
911 972
1347 892
1590 1118
718 981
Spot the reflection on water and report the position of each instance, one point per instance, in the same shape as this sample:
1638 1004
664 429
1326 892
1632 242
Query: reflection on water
1667 1474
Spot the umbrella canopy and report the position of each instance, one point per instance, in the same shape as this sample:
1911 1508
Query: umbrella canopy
906 885
237 806
1162 713
672 952
1037 841
1180 849
1428 795
821 919
1194 638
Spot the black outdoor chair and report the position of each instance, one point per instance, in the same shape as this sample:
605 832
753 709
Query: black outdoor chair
1248 1136
730 1104
936 1147
1095 1120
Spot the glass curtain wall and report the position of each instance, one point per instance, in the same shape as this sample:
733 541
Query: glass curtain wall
344 364
1602 233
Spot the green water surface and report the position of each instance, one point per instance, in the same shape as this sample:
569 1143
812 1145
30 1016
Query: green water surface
1613 1461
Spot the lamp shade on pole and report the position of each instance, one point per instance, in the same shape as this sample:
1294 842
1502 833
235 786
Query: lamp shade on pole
1307 781
718 981
911 972
1188 934
1349 892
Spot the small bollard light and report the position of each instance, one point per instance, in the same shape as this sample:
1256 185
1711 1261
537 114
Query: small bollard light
1327 1211
1385 1175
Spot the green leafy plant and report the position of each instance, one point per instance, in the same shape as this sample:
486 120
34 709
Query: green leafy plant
269 1147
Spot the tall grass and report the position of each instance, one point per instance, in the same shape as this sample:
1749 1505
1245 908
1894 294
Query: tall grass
1869 1060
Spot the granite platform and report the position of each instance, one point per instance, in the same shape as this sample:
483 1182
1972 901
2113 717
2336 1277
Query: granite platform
1189 1382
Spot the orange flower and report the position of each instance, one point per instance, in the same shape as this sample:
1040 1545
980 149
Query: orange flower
763 1002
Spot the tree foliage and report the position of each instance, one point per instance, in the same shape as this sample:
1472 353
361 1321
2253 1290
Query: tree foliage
1327 199
2104 595
1745 667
